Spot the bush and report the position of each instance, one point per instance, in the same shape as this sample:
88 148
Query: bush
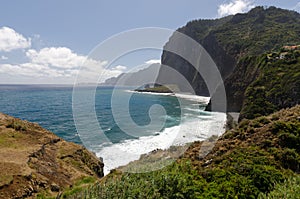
290 189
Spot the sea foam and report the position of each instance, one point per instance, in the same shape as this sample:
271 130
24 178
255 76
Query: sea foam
190 130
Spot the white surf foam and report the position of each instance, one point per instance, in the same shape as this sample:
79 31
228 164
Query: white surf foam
195 98
188 131
186 96
150 93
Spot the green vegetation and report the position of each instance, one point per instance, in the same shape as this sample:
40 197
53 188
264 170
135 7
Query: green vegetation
252 33
17 125
277 86
259 31
79 187
258 158
289 189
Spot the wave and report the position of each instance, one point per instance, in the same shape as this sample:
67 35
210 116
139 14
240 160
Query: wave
116 155
190 97
195 98
150 93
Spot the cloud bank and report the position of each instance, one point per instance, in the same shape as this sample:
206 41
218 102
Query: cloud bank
234 7
11 40
60 57
56 64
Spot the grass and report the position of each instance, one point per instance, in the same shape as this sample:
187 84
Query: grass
8 138
5 179
79 186
17 125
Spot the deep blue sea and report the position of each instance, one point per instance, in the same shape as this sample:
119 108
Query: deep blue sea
51 107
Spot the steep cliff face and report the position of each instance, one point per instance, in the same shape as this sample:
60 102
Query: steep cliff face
200 31
247 70
35 161
235 44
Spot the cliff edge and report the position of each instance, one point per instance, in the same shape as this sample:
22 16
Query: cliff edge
36 162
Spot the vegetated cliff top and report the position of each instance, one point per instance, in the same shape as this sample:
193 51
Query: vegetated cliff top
252 33
35 162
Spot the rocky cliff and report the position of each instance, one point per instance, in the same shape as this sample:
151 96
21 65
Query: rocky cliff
235 44
36 162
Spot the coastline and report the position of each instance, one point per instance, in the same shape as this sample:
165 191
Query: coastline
190 129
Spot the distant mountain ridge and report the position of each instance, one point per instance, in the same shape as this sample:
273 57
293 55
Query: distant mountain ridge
137 78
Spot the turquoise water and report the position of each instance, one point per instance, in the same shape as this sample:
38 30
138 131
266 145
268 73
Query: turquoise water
51 107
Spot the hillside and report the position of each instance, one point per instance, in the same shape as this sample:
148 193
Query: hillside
231 41
276 87
263 84
257 157
35 162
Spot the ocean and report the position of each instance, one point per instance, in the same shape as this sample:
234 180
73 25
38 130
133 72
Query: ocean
183 118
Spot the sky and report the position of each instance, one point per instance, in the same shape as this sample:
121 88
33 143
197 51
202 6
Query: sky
46 42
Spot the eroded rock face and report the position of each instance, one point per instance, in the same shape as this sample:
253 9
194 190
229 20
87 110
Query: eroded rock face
34 160
235 43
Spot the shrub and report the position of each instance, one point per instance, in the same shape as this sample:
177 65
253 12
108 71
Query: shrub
289 189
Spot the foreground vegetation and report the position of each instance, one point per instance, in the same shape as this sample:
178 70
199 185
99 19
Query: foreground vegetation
259 158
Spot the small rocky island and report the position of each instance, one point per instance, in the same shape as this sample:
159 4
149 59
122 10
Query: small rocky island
156 88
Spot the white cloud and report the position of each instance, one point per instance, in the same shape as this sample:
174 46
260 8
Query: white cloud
11 40
55 62
234 7
3 57
153 61
120 67
60 57
30 70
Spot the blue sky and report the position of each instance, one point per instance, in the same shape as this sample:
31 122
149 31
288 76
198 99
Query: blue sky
37 36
